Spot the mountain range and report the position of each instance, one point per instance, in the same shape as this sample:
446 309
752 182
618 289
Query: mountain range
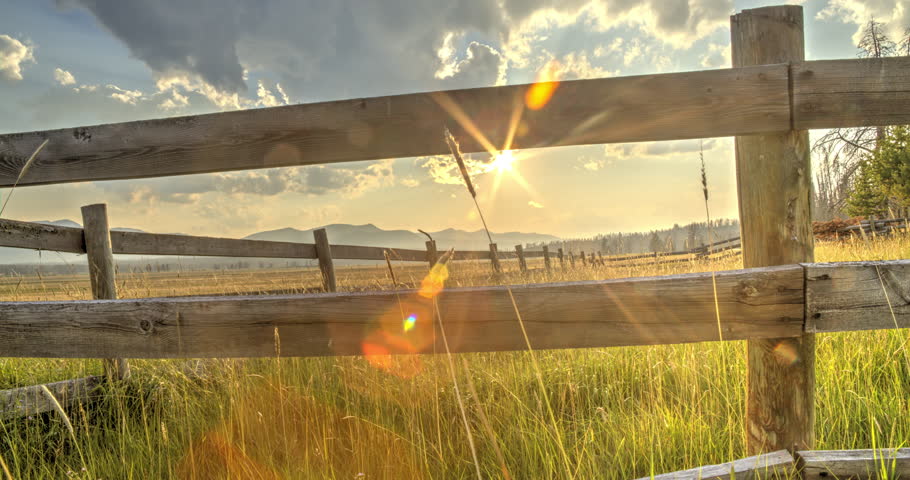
339 234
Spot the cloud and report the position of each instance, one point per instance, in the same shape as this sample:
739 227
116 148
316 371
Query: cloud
534 204
63 77
346 48
666 149
13 54
481 66
443 169
349 180
895 14
593 164
717 56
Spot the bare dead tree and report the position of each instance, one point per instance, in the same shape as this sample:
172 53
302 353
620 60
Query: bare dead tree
842 149
833 178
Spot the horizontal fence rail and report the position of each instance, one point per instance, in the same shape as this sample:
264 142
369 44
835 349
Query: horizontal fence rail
672 106
769 302
805 465
38 236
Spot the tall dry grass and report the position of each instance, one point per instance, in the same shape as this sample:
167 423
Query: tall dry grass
616 412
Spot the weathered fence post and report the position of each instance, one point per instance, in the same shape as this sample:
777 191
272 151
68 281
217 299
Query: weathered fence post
546 258
432 255
101 269
326 266
593 260
584 260
494 258
522 264
774 183
562 258
600 256
571 259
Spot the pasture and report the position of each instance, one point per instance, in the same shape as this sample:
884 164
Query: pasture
622 412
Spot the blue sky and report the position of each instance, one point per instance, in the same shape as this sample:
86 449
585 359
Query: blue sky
82 62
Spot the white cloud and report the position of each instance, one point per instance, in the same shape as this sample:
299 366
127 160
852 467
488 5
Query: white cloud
443 169
63 77
895 14
593 164
348 180
534 204
129 97
668 149
13 54
717 56
481 66
410 182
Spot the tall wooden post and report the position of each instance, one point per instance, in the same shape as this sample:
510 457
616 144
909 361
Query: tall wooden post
600 257
584 260
562 258
432 255
546 258
571 259
774 182
324 253
102 274
522 264
494 258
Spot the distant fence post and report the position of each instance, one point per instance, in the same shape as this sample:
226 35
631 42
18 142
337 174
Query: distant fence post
494 258
100 255
571 259
584 260
522 264
546 258
432 255
326 265
774 182
600 256
562 258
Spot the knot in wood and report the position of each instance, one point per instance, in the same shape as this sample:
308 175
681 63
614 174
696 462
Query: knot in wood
145 326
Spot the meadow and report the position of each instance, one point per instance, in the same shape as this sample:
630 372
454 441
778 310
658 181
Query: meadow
594 413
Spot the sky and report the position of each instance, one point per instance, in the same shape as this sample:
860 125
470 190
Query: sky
71 63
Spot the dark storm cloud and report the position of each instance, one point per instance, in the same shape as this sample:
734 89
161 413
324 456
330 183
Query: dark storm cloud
345 48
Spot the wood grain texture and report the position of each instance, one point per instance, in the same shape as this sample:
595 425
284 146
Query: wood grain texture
672 106
38 236
889 463
326 265
752 468
856 296
141 243
102 272
522 264
642 311
21 402
851 93
774 184
494 259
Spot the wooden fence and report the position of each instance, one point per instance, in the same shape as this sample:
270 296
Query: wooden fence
768 101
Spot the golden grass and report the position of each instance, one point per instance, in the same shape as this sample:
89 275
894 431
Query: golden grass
616 412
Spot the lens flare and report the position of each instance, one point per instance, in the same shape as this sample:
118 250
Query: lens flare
786 353
543 89
433 283
410 322
504 161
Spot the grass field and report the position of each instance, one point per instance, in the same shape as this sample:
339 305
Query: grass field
596 413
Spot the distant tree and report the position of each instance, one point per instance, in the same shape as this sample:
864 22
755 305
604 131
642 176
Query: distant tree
655 244
843 149
867 197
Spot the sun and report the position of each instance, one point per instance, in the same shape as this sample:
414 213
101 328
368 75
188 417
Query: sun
503 161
